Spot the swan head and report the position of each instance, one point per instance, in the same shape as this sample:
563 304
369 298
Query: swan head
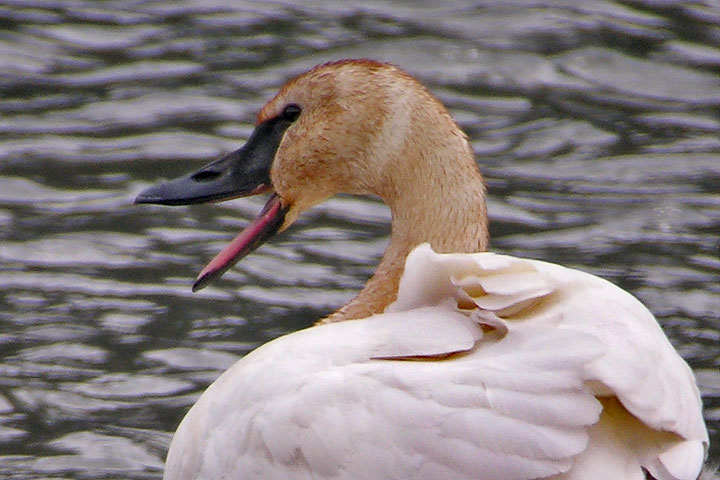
352 126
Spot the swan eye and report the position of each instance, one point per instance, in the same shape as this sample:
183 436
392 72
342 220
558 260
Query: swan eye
291 112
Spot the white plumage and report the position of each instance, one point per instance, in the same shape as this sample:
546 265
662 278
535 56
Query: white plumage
486 366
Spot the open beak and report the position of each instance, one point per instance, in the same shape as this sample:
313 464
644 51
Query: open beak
241 173
265 225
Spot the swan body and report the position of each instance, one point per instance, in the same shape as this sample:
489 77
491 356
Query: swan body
422 392
452 363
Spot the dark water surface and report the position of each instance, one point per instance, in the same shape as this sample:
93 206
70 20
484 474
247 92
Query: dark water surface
597 124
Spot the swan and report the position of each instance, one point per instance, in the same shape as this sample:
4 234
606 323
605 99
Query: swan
452 362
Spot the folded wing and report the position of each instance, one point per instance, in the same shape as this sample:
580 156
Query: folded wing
486 366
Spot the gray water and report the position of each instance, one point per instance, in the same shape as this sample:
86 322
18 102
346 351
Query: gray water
596 123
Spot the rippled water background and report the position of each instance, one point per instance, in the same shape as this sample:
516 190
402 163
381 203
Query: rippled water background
596 123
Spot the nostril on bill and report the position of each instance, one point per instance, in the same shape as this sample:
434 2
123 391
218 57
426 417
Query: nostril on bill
206 176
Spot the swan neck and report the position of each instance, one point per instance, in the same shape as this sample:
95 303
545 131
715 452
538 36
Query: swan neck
441 202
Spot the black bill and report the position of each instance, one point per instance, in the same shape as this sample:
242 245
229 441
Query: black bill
241 173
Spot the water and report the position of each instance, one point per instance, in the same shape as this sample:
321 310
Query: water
596 123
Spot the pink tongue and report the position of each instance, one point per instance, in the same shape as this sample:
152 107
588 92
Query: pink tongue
267 223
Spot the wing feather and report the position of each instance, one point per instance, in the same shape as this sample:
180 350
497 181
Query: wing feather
429 390
638 364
